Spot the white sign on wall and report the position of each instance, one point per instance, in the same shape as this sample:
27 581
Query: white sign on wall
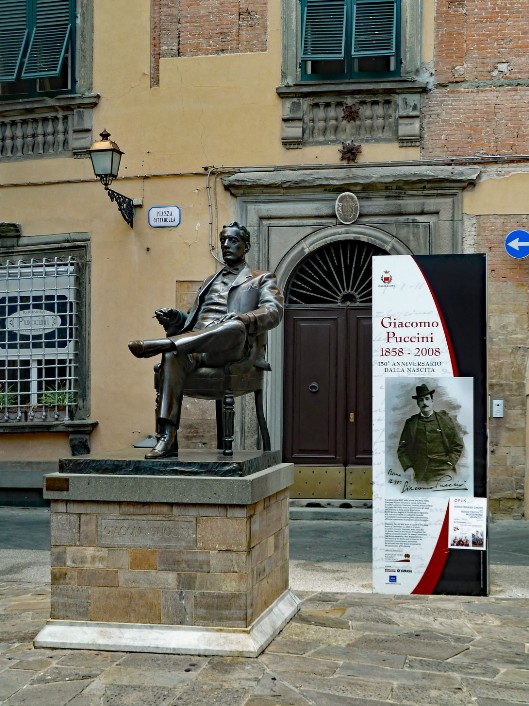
29 322
164 216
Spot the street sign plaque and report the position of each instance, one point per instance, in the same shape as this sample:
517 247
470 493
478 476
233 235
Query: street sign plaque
164 216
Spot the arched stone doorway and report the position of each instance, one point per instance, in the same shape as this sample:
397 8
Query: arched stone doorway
327 360
327 354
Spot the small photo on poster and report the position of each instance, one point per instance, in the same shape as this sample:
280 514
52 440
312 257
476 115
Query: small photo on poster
467 523
429 436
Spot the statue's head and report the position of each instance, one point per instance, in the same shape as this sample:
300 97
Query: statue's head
234 243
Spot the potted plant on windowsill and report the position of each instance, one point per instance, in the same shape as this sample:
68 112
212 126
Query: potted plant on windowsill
59 402
8 403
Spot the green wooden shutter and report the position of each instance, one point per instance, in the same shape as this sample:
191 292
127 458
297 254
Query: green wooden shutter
13 34
49 39
323 29
374 27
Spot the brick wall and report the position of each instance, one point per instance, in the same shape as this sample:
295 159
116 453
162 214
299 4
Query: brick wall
205 28
479 40
480 106
476 121
480 103
508 353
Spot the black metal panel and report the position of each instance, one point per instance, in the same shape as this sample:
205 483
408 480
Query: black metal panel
459 285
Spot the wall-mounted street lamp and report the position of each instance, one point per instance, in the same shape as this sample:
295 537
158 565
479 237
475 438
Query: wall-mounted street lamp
106 156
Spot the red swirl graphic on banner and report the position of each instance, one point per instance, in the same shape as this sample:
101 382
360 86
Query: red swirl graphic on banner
455 370
436 564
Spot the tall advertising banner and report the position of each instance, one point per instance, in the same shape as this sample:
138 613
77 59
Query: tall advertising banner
429 424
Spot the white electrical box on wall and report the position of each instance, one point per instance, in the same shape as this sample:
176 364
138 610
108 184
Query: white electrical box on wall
497 408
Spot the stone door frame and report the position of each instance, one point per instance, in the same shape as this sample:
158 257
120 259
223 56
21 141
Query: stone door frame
290 212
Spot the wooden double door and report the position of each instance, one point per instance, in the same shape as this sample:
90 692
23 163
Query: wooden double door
327 386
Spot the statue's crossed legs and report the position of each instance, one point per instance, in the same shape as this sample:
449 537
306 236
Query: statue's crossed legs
214 346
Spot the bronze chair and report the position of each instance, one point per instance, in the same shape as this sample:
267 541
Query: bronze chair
223 385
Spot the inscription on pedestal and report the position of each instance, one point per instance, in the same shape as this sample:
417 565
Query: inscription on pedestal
139 532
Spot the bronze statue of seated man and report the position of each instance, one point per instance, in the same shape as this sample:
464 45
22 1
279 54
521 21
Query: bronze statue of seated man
227 323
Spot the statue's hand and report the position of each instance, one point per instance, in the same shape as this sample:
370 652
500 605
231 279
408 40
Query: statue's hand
166 316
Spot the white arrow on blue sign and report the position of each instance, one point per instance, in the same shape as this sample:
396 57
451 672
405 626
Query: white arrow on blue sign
517 244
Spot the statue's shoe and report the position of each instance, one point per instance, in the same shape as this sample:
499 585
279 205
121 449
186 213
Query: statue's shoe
148 349
162 453
166 447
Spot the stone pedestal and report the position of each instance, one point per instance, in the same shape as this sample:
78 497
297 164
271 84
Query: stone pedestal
178 564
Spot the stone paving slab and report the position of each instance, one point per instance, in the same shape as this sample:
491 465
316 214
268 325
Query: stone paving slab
342 649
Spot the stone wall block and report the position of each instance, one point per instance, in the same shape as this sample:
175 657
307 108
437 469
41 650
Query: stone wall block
268 565
237 511
65 529
264 524
506 507
186 510
281 539
284 511
70 603
260 551
145 508
58 556
503 487
125 605
222 533
212 511
93 507
231 583
513 437
58 506
183 561
177 608
62 576
143 559
266 591
216 609
117 559
149 579
88 530
86 557
97 577
258 507
229 562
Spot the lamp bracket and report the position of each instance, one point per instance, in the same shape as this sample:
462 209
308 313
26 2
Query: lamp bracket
125 205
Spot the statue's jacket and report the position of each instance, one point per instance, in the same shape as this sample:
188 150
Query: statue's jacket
253 292
451 439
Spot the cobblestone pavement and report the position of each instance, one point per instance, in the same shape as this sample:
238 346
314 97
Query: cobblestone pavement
342 649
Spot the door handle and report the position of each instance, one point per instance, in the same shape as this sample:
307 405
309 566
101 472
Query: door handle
351 416
314 387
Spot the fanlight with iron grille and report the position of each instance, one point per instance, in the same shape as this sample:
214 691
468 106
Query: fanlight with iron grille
338 273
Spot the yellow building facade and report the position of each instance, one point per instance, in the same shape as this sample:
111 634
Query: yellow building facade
229 134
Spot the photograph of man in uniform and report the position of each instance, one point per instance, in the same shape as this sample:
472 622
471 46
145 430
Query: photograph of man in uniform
430 445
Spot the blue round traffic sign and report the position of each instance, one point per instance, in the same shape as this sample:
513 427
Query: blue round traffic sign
517 244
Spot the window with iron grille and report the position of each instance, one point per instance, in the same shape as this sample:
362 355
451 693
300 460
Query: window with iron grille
42 346
37 40
350 39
